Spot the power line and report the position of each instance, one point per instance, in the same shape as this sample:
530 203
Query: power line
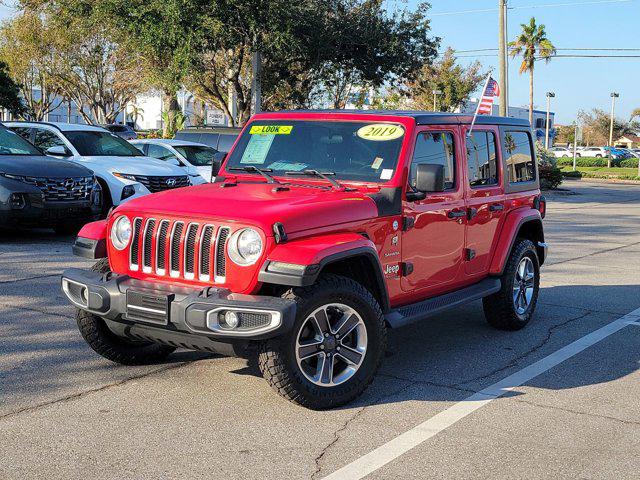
547 5
557 49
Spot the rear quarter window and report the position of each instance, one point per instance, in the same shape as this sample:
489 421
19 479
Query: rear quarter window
519 156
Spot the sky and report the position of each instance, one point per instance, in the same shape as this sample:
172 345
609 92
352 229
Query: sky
579 83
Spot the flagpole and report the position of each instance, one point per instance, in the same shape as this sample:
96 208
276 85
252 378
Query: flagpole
484 89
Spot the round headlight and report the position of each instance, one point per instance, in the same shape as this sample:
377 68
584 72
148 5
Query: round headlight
245 247
121 232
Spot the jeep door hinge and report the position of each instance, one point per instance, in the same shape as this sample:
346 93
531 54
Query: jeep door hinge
408 223
470 254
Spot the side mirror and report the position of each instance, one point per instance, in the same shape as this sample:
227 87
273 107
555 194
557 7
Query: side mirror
216 164
429 177
58 150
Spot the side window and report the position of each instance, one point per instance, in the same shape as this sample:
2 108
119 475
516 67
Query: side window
435 147
45 139
226 142
161 153
518 151
24 132
482 159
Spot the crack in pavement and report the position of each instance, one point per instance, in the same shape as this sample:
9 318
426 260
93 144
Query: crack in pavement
6 282
36 310
592 254
577 412
533 349
84 393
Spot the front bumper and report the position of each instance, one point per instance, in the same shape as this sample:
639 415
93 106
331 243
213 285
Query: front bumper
131 306
35 212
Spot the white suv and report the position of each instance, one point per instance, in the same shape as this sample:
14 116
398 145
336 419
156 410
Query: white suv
123 172
195 158
597 152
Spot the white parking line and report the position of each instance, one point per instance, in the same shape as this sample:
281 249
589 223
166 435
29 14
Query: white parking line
391 450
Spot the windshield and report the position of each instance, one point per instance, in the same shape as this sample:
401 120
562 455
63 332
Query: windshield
195 155
358 151
101 144
12 144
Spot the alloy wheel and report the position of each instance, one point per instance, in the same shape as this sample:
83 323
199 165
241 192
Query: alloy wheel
523 285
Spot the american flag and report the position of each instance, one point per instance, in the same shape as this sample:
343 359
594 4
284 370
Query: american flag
491 91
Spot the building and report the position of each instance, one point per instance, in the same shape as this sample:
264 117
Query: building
539 118
628 141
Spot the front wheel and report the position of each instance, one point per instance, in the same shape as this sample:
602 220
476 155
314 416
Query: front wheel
334 348
512 307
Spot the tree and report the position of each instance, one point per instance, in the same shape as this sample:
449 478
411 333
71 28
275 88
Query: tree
596 124
454 81
532 43
9 92
635 113
26 47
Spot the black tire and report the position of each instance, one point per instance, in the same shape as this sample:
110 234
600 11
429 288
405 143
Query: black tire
598 156
105 198
112 347
499 308
277 357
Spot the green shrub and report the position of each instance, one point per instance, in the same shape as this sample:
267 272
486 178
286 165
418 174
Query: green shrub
550 176
572 174
630 163
545 157
583 162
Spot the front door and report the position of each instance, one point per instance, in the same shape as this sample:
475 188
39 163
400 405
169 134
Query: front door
433 243
485 198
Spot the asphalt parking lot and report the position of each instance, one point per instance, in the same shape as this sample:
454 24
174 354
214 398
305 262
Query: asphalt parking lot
556 399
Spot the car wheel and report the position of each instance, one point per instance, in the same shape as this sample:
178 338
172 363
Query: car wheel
512 307
334 348
111 346
598 155
578 155
105 199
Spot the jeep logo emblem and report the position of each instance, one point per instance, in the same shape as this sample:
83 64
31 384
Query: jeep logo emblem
171 182
391 269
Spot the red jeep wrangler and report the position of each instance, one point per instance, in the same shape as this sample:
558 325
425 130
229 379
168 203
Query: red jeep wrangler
322 230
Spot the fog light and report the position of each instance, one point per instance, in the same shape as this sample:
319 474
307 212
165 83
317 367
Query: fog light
16 200
85 296
231 319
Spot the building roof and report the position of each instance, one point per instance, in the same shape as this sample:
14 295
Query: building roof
633 138
426 118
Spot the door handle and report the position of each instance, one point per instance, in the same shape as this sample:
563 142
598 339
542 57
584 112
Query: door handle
496 207
456 214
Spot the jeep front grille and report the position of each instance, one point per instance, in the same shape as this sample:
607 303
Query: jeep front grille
179 249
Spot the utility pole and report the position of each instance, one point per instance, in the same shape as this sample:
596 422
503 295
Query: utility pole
614 95
502 58
550 95
256 91
435 96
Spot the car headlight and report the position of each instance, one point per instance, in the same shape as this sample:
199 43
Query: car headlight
126 176
20 178
245 247
121 232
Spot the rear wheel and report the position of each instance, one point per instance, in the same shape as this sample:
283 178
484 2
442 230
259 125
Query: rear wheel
334 348
512 307
111 346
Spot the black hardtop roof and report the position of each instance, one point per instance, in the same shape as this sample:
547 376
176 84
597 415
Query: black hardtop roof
428 118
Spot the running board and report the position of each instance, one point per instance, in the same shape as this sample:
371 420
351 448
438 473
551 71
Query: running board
427 308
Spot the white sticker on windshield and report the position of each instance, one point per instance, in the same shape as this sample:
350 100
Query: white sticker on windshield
386 174
376 163
257 149
289 167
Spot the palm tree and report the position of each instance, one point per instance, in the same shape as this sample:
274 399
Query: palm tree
135 113
532 43
635 113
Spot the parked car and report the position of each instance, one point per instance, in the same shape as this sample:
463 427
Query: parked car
323 229
597 152
219 138
40 191
618 153
635 152
122 130
123 172
561 152
194 158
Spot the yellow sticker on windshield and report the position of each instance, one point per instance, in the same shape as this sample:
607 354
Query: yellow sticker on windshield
270 129
380 132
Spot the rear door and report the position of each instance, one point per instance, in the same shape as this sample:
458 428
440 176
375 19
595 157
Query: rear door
432 247
485 197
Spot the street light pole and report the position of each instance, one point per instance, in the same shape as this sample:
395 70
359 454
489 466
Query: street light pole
550 95
503 69
614 95
435 96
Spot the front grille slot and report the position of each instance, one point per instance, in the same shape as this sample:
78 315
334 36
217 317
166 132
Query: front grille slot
204 263
190 251
147 244
221 261
174 260
161 247
72 189
135 244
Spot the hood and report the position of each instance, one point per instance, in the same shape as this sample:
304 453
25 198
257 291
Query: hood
41 166
299 208
133 165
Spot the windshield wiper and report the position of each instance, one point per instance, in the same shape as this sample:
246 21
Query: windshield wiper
262 171
323 175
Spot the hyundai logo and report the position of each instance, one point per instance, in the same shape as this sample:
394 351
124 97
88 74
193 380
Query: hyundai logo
171 182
